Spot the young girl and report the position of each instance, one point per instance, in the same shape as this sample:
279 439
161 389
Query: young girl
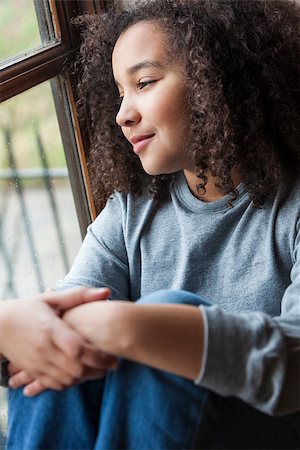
203 211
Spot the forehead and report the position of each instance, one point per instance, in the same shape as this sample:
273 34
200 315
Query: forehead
141 41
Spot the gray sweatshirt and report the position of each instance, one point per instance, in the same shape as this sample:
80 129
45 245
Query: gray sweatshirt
245 260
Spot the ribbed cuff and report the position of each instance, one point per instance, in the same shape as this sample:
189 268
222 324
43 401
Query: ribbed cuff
205 345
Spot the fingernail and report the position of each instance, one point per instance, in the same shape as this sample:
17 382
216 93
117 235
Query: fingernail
26 392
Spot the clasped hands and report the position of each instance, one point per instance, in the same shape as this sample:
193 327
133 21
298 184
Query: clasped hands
45 352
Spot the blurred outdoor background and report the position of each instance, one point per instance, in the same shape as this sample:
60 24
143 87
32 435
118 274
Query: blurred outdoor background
39 231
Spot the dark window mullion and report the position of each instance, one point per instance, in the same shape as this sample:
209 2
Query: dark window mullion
34 70
74 155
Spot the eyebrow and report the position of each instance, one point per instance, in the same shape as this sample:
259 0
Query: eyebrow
144 64
141 65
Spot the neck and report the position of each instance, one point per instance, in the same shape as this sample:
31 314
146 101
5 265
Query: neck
212 192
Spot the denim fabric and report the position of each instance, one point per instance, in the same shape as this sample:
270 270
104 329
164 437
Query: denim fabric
135 407
55 420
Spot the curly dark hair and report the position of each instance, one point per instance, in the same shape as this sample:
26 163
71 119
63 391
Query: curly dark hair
242 64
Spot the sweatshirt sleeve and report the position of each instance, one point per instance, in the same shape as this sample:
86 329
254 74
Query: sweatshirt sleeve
256 357
102 259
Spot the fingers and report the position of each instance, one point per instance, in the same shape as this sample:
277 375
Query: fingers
93 365
53 376
20 379
66 339
55 370
13 369
38 386
74 297
41 384
34 388
55 379
44 382
65 370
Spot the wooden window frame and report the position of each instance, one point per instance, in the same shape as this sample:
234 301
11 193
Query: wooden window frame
48 62
45 64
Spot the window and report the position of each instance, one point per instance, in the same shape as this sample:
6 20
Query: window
33 28
44 190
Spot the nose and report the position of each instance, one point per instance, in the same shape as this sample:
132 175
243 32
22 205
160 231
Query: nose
128 114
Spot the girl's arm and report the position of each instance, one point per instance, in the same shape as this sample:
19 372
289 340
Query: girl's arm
167 337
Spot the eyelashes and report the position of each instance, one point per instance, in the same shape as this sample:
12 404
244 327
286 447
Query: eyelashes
140 86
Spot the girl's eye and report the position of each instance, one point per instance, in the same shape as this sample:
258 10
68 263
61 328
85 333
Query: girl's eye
142 84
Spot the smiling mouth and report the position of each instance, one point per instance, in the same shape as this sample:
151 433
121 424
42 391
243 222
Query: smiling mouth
140 142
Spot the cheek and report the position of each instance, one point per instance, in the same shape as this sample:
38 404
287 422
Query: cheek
167 115
175 110
182 119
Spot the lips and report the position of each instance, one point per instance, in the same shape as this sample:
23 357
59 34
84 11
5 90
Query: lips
141 137
140 141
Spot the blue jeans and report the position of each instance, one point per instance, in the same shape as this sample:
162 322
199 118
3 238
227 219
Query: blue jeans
134 407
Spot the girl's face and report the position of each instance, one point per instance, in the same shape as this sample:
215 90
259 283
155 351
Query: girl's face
153 112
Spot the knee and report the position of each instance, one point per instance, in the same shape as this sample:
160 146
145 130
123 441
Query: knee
173 296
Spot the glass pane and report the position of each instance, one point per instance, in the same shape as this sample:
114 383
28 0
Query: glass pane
25 25
39 231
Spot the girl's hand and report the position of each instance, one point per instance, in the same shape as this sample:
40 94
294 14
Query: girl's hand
36 340
96 365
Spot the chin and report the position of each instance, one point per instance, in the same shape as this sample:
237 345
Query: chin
151 170
155 171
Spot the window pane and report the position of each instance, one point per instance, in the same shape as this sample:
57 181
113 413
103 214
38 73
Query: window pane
39 231
25 25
